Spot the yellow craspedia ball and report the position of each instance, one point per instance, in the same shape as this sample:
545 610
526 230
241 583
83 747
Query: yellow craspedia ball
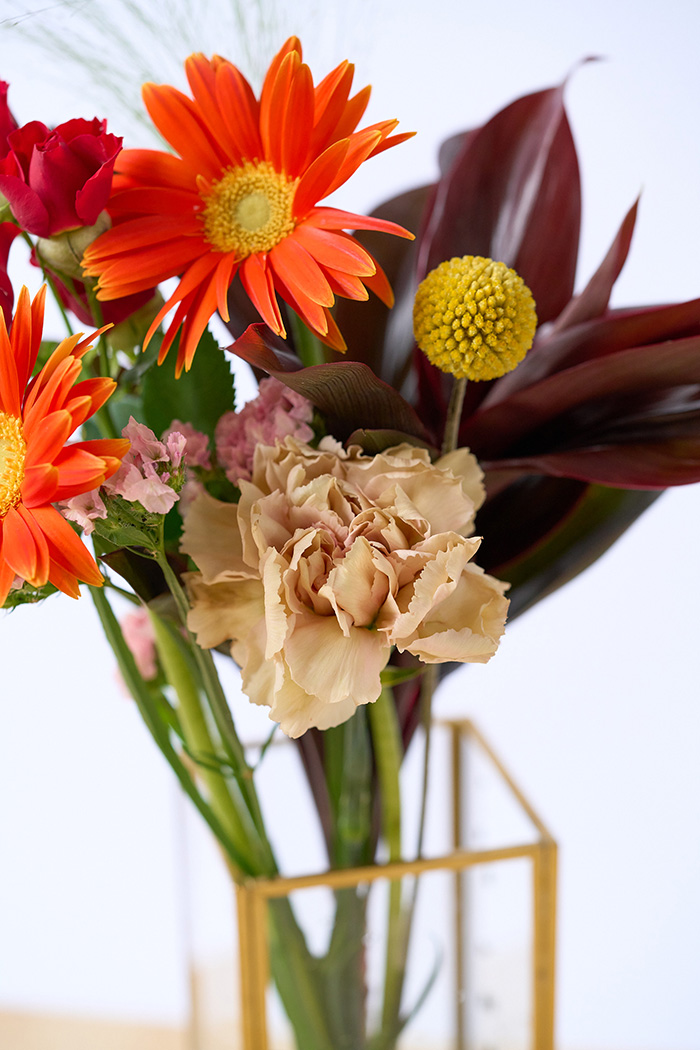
474 317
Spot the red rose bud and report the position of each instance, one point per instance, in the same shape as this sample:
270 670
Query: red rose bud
58 180
7 121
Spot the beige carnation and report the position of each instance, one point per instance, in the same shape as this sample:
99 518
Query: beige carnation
330 559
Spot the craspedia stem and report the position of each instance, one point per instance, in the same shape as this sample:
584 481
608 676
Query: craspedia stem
474 318
450 436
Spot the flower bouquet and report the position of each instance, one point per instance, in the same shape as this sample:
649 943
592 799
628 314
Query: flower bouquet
417 466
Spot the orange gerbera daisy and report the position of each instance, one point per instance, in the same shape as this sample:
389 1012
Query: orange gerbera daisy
241 198
37 468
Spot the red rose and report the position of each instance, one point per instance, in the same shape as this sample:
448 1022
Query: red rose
58 180
7 121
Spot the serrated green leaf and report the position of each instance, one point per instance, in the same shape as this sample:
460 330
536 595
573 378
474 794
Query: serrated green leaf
199 397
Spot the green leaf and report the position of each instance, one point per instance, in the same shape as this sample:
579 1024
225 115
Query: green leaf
28 595
392 676
199 397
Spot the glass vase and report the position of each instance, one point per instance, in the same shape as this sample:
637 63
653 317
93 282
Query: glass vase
454 950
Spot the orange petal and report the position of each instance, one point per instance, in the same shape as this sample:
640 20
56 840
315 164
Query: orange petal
24 546
46 440
345 284
298 120
240 111
152 167
39 485
379 284
353 112
7 576
300 272
225 272
335 219
79 471
135 234
314 316
66 549
331 96
144 200
273 107
201 76
180 123
198 316
259 286
66 582
314 183
335 250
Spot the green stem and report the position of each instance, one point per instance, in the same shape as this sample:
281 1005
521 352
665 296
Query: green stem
159 731
295 972
428 686
52 285
353 797
308 347
388 752
454 416
176 665
292 963
222 717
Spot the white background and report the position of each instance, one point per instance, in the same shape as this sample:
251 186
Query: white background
593 698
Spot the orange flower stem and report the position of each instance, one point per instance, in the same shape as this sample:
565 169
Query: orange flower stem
309 348
454 416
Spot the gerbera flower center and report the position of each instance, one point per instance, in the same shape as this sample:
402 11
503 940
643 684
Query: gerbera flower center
249 209
474 317
12 454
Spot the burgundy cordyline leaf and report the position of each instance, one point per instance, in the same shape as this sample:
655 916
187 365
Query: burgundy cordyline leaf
617 330
545 355
347 393
513 194
651 370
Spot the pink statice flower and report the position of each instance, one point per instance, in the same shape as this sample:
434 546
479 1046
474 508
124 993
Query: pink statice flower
276 413
138 635
84 509
196 444
152 471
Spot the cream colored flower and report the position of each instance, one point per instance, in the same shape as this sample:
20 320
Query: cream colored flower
330 559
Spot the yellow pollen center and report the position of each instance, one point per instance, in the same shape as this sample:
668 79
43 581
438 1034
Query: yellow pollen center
474 317
249 209
12 454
